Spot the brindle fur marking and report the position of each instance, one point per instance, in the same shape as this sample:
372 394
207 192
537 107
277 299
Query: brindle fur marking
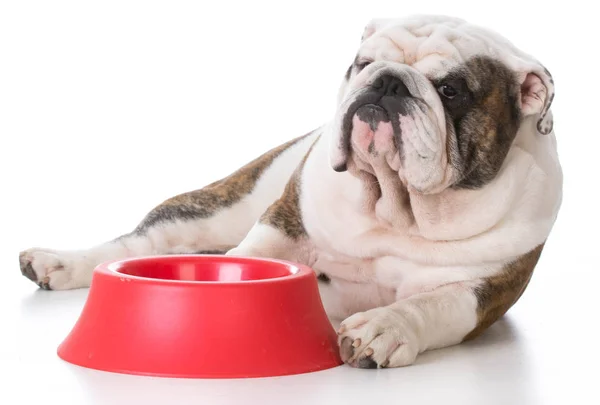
216 196
284 214
485 115
500 292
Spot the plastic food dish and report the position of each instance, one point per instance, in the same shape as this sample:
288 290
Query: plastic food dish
197 316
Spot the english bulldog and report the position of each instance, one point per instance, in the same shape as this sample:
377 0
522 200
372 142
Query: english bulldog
423 205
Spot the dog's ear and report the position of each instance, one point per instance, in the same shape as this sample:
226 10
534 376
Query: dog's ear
537 93
373 26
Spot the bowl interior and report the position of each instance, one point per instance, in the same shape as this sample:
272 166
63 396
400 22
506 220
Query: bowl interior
205 269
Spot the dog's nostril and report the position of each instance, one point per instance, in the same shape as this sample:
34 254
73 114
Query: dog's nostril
378 84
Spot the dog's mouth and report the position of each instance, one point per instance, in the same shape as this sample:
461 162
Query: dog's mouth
393 135
372 129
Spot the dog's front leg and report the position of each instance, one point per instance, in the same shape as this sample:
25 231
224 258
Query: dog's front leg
393 336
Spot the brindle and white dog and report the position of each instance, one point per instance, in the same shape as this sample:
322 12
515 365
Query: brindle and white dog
423 206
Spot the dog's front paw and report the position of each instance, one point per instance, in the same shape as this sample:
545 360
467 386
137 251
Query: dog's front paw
378 338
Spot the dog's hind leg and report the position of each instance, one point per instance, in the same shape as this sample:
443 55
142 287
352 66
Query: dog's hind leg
213 219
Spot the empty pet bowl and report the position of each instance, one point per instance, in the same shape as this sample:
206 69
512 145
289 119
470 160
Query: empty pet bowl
204 317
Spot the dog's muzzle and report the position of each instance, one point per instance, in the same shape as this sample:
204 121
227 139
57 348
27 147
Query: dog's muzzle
373 117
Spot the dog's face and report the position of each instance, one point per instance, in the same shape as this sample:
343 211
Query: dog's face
437 102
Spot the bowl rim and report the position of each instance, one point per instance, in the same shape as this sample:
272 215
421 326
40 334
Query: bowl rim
110 268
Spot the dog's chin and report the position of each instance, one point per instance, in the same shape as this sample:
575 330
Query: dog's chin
388 171
374 157
380 149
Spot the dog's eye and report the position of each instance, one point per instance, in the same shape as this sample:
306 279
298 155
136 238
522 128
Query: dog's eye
447 91
363 64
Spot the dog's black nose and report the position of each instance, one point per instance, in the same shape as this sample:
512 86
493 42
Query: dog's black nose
389 85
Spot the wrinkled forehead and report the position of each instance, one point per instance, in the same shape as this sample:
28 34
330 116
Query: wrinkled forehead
434 48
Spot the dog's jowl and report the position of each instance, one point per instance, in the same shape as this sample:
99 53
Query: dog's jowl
423 204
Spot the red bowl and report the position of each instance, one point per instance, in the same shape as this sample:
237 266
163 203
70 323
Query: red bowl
203 317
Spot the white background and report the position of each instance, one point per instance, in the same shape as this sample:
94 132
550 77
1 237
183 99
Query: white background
107 108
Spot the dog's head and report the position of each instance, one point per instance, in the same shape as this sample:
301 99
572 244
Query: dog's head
437 101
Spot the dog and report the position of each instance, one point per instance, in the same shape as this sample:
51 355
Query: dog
423 205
